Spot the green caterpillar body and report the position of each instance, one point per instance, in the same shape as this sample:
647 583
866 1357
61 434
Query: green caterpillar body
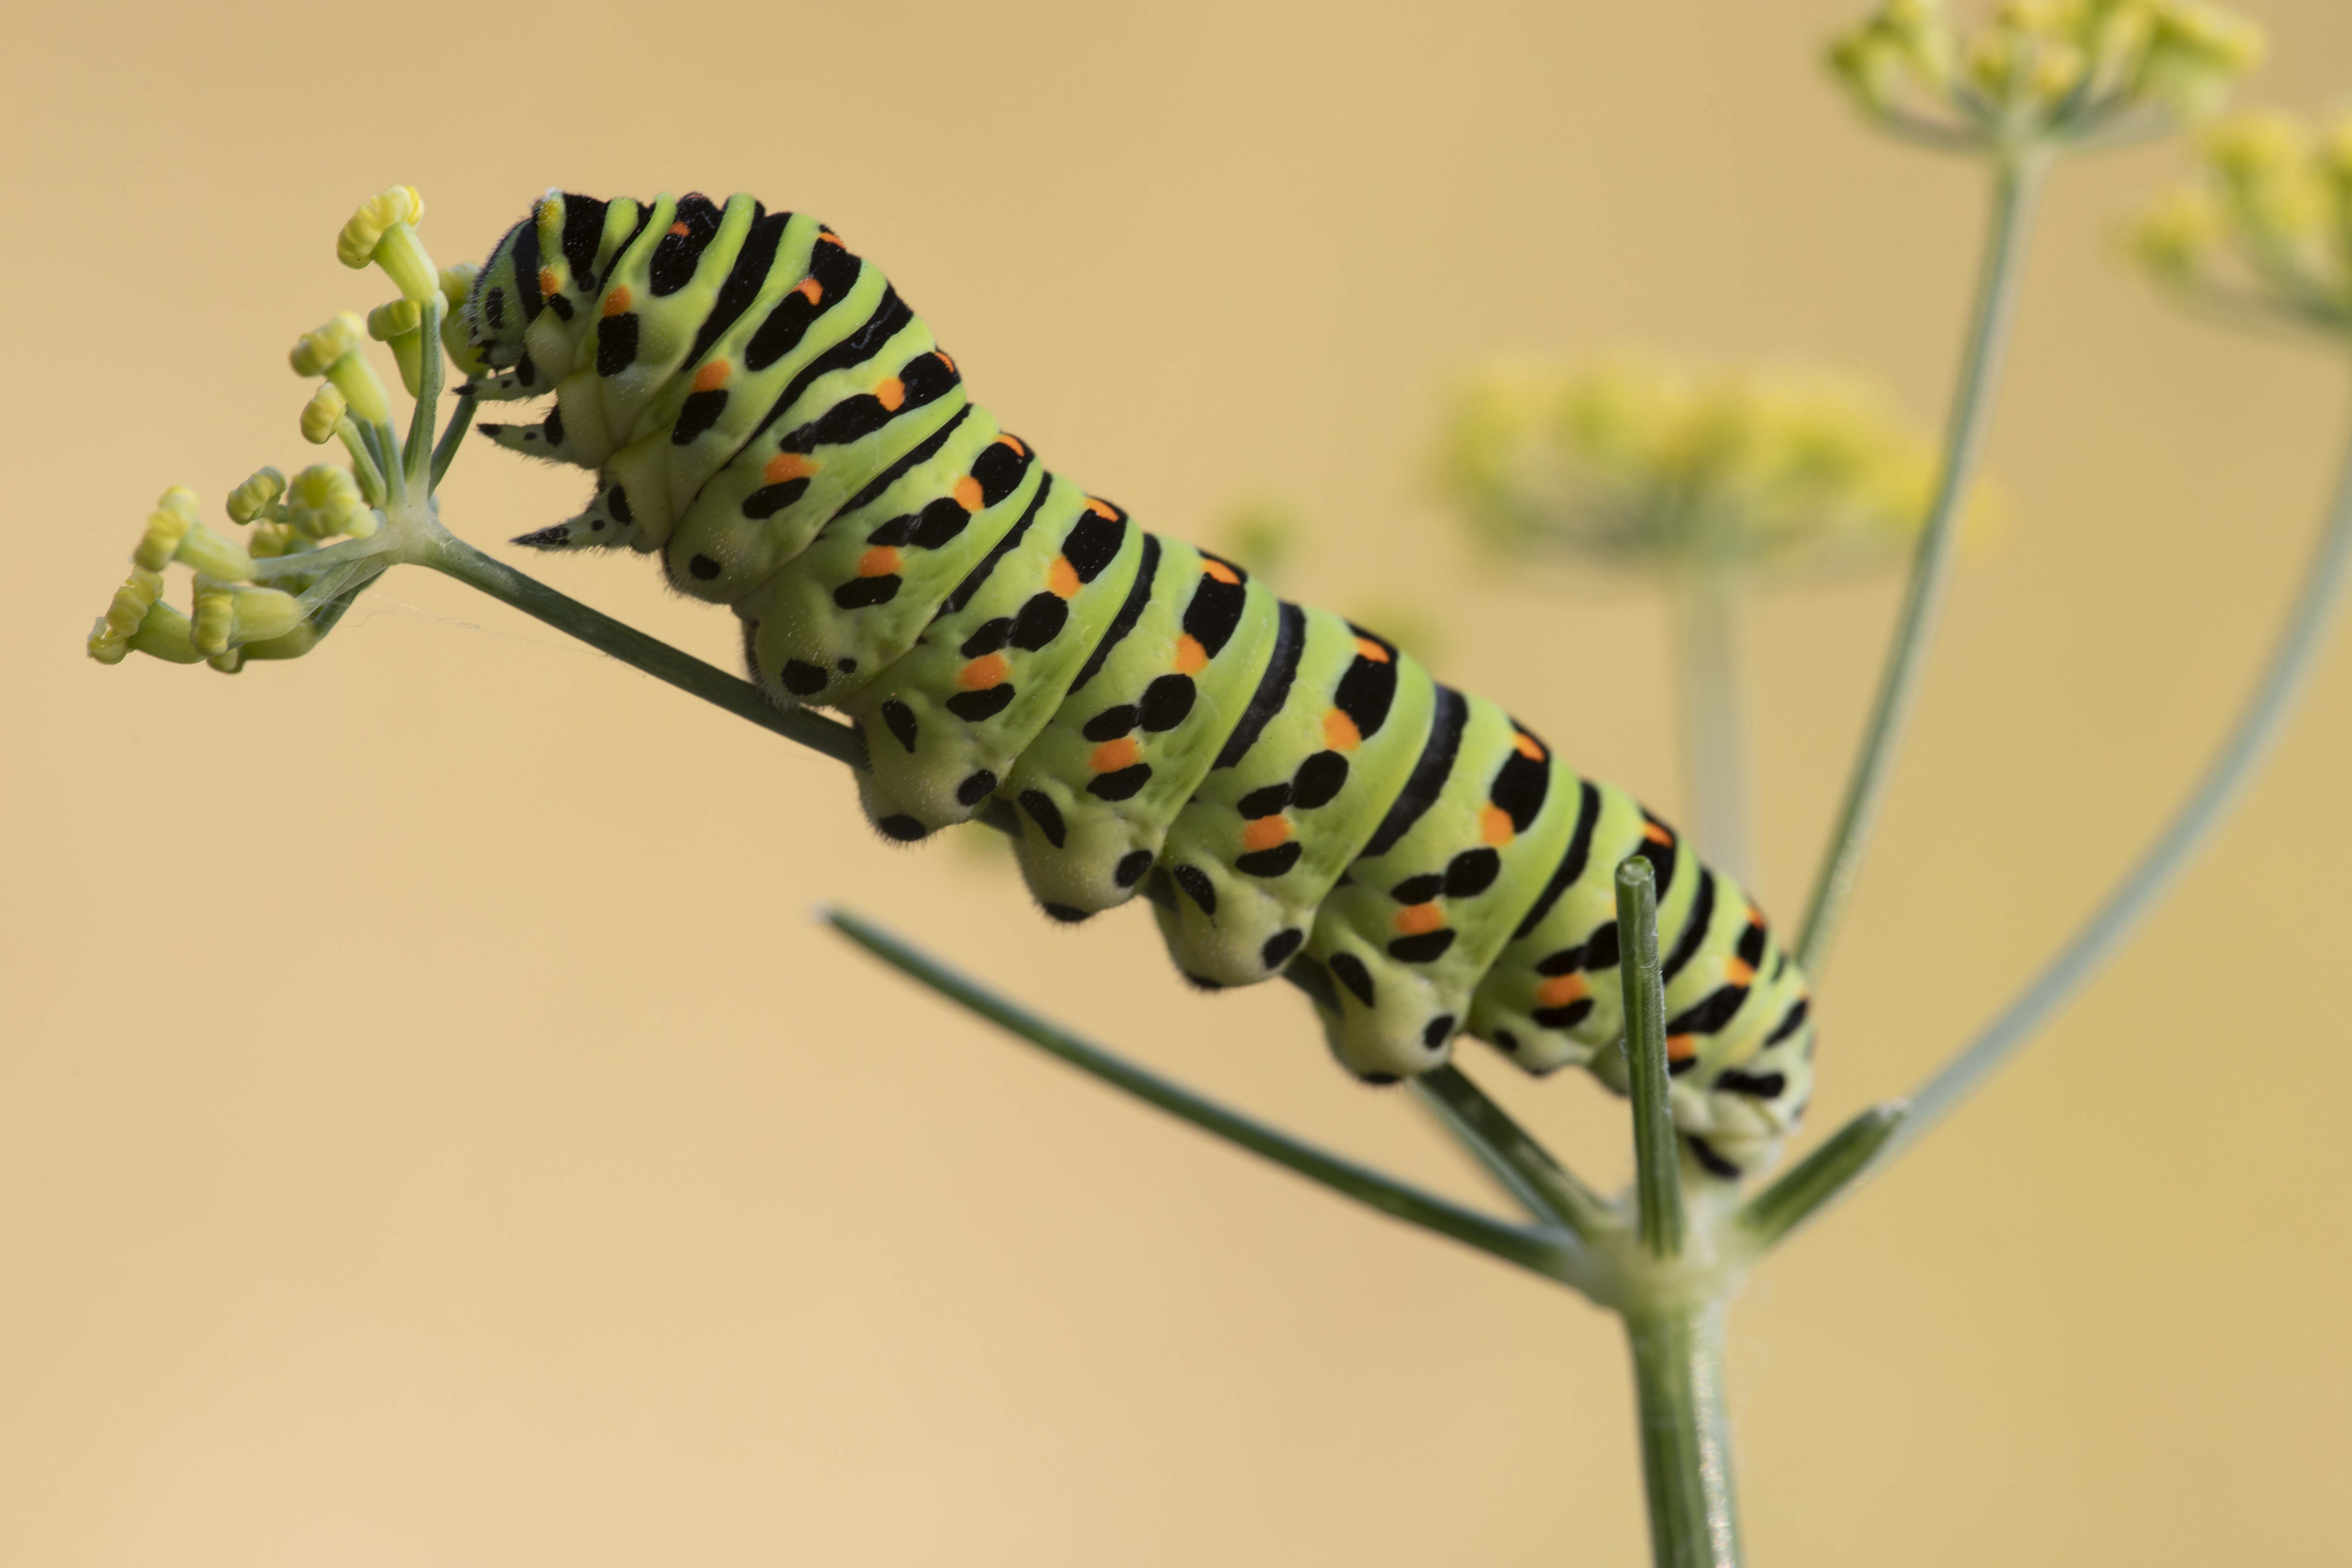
766 414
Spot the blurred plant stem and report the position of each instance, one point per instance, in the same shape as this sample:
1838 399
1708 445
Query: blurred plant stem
2018 175
1714 741
2251 735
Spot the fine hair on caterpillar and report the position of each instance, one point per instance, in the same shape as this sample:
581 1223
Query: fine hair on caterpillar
763 411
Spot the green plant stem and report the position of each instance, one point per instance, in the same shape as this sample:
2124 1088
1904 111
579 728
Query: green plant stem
453 436
1715 752
1524 1167
2016 184
1657 1152
460 560
1685 1438
2300 638
1547 1253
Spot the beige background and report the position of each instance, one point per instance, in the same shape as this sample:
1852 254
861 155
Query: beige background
431 1131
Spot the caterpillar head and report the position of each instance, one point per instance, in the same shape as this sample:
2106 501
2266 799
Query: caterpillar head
533 298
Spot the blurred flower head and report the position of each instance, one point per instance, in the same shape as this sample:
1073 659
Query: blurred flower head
2043 70
2267 225
1666 468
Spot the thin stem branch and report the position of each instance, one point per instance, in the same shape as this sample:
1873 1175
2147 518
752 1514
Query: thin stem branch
842 744
1715 751
453 436
1685 1436
1657 1152
460 560
1774 1213
1525 1168
2249 740
2017 182
1544 1253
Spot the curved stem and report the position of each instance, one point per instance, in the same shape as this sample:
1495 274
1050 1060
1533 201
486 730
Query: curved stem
2299 641
1545 1252
2017 182
2249 741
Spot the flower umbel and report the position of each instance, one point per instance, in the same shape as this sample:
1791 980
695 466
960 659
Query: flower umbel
317 541
2043 70
2266 229
1664 468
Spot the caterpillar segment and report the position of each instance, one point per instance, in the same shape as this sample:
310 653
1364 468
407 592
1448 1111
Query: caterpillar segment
1292 798
763 409
945 722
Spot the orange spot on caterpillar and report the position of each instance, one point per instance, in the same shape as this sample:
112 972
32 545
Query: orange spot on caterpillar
879 562
1653 834
983 672
547 283
1527 746
617 300
712 377
943 359
1013 441
1113 755
1417 919
1219 570
826 237
891 394
1367 648
1738 972
1265 832
1339 731
1101 508
1494 826
1189 654
808 289
679 228
966 493
1681 1047
1560 990
1062 578
786 465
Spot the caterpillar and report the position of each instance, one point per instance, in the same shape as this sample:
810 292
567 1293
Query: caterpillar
766 414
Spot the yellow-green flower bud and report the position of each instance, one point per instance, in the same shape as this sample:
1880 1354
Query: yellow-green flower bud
262 613
216 613
316 352
228 663
165 527
325 500
109 640
323 413
384 230
394 319
164 633
2173 238
254 498
2194 53
228 616
293 645
1868 65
